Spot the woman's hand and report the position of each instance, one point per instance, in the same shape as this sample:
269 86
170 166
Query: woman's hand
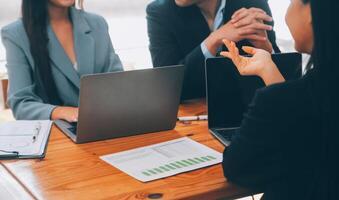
260 64
69 114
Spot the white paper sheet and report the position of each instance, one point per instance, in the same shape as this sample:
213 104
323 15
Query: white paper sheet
164 159
18 136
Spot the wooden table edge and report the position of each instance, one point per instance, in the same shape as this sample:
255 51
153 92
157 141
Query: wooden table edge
17 180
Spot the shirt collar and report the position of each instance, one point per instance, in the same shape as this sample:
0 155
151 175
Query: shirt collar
218 21
222 6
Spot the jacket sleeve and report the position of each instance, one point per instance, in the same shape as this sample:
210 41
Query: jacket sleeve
22 98
166 51
253 159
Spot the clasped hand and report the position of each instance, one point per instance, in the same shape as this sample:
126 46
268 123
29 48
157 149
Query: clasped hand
246 24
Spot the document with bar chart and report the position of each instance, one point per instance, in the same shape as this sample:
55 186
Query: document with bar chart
164 159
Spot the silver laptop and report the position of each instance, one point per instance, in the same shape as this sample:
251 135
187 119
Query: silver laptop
229 93
120 104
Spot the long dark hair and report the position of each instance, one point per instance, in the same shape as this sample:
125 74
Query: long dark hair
35 18
326 70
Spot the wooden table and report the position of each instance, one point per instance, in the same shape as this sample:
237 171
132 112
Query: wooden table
72 171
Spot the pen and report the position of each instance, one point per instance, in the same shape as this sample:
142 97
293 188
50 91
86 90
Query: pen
37 130
8 154
193 118
34 138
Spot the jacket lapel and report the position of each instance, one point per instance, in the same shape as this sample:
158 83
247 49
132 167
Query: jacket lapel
60 59
228 11
84 43
84 49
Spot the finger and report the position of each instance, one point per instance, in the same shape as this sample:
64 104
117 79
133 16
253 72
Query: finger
254 29
72 119
262 16
255 37
227 44
240 16
249 50
226 54
256 13
239 61
243 22
235 51
232 50
238 12
250 20
257 10
76 115
248 31
261 26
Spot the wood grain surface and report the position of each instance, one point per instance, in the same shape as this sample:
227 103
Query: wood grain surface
72 171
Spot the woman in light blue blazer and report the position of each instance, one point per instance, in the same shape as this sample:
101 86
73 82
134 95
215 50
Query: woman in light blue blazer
48 50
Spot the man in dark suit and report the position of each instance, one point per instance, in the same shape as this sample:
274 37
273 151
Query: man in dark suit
189 31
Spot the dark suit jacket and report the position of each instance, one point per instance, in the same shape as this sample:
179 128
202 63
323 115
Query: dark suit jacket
277 147
176 33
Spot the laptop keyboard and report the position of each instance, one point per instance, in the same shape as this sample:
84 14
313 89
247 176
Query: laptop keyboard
225 135
73 128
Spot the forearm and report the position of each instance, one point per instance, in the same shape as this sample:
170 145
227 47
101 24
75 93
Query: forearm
29 110
213 42
271 75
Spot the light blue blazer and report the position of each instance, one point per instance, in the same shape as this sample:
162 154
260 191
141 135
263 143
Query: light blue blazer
94 54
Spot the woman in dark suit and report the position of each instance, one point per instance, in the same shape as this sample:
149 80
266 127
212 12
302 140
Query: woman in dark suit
288 143
48 51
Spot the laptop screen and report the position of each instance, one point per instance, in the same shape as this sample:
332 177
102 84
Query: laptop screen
229 93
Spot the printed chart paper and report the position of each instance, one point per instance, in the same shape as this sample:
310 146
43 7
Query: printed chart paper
164 159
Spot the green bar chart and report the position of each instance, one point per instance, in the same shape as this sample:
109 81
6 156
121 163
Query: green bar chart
178 165
164 159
